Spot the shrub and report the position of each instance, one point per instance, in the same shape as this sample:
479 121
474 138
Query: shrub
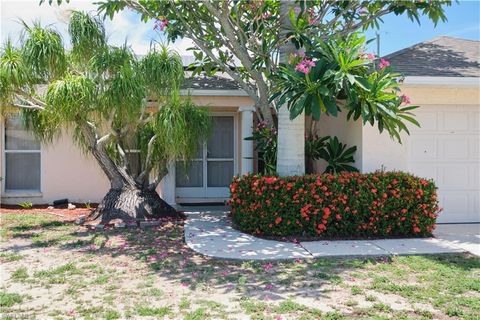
347 205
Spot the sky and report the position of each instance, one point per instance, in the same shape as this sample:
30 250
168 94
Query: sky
397 32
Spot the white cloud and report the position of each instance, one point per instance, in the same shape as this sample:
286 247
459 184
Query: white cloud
125 25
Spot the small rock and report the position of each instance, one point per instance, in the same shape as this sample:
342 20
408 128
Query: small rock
99 226
120 225
50 208
71 206
81 219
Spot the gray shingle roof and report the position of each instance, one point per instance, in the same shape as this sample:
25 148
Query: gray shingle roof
220 81
440 57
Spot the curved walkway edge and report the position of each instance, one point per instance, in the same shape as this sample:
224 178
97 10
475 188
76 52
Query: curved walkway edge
209 232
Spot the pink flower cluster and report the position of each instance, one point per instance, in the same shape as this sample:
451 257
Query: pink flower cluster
406 99
384 63
305 65
312 19
161 24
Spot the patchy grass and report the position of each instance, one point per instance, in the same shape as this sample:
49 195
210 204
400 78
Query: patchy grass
65 271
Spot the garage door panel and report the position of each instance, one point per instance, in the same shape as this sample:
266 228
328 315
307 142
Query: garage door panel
455 121
424 170
454 148
475 148
423 149
453 177
428 121
475 122
447 149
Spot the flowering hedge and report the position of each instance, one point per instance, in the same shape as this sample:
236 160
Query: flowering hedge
347 205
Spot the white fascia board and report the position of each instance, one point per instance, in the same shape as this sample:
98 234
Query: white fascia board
442 81
219 93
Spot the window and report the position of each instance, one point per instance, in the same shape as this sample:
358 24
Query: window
22 157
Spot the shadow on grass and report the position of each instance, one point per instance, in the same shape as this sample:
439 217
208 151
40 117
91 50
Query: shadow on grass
162 249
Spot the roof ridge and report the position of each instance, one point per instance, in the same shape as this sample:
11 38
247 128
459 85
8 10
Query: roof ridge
418 44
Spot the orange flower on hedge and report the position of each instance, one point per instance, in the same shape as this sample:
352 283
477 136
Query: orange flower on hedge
326 213
278 220
270 180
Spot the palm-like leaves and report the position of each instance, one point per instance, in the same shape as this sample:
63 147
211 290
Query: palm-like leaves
102 93
337 156
44 52
343 78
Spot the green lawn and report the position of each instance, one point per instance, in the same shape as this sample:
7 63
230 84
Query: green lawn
54 269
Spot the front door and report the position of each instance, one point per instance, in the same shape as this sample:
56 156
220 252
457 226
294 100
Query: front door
210 173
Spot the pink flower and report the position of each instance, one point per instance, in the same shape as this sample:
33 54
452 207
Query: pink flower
224 273
194 274
383 64
161 24
371 56
305 65
269 287
184 284
406 99
267 266
312 20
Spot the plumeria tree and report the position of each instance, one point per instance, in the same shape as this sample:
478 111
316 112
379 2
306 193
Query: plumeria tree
250 40
113 103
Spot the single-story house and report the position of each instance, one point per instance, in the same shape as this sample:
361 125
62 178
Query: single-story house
441 75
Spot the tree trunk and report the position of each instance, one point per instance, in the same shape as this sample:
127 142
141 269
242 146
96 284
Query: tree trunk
291 133
133 204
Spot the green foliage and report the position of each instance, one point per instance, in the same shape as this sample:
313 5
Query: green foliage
164 69
266 145
44 52
314 146
72 96
87 35
256 24
337 156
26 205
341 76
104 94
346 205
192 124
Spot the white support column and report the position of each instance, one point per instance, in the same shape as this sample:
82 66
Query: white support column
246 145
166 187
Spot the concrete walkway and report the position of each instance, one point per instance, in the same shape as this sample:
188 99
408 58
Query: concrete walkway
209 232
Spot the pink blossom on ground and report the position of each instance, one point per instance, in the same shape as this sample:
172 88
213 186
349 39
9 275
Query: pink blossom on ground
267 266
184 284
383 64
224 273
269 287
406 99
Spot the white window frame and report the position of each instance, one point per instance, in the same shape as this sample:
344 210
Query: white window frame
20 192
206 192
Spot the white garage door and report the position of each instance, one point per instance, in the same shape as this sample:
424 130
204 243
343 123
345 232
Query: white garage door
447 149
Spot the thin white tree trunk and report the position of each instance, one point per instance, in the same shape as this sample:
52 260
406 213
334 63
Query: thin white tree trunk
291 133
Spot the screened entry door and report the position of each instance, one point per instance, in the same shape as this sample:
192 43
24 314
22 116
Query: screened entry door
210 173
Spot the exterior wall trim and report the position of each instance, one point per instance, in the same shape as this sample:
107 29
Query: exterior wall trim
218 93
442 81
